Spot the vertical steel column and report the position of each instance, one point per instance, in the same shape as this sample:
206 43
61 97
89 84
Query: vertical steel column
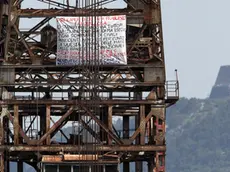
2 162
141 136
7 141
20 166
104 120
126 167
16 125
159 130
1 12
143 128
151 165
110 123
2 158
48 123
8 29
43 121
21 124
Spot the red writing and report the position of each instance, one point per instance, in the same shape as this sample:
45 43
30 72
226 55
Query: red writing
105 53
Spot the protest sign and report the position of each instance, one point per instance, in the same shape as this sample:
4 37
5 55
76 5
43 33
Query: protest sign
95 40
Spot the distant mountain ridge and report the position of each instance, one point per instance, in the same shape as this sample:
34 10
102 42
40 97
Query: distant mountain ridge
221 88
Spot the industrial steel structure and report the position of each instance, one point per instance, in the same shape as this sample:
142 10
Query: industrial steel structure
40 99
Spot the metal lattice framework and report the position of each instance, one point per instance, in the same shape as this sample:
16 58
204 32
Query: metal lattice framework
34 89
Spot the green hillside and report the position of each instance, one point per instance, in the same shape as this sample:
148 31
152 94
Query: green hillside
198 136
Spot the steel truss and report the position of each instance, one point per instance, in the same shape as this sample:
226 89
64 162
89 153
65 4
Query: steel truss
29 68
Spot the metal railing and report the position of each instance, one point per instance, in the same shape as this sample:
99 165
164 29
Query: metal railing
172 89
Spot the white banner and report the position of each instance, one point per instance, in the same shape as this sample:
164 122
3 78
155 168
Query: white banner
80 42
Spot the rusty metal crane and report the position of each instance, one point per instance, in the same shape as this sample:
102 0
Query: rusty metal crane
40 99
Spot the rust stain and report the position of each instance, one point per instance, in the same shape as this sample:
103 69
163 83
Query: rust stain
69 157
81 157
52 158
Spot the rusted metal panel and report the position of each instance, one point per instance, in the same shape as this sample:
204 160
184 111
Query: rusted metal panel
48 35
159 112
135 21
5 9
159 123
52 158
152 74
7 76
152 14
81 157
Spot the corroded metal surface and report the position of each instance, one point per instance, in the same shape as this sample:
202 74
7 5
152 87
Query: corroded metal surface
75 12
71 148
40 99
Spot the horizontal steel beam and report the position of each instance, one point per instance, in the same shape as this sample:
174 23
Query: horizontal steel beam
68 83
67 67
76 12
43 89
76 102
98 162
88 148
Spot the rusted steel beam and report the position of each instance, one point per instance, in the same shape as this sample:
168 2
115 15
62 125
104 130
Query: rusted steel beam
2 162
8 32
105 90
90 130
68 82
2 143
21 132
76 12
110 122
35 28
102 125
59 129
47 123
66 68
16 125
2 130
143 127
84 148
24 41
137 38
58 159
126 127
1 12
56 125
142 124
31 122
83 102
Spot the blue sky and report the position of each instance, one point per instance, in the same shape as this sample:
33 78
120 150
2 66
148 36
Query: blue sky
196 38
196 41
